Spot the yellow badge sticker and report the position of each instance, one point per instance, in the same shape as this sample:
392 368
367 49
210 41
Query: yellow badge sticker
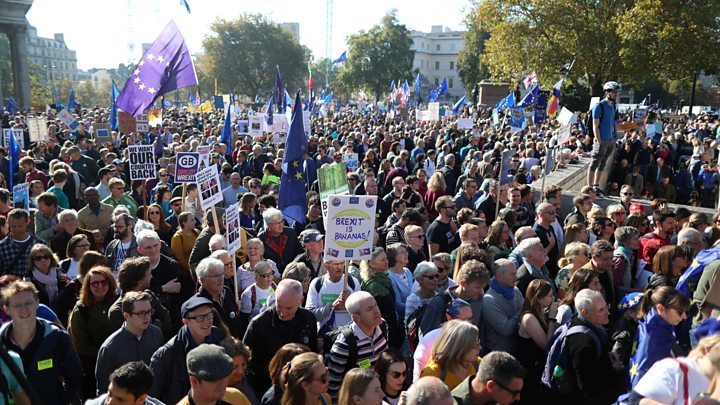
364 364
45 364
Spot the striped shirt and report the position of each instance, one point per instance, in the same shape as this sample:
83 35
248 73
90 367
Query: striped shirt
369 350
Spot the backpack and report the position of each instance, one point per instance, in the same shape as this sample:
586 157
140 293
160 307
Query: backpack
253 293
412 328
558 374
347 332
321 280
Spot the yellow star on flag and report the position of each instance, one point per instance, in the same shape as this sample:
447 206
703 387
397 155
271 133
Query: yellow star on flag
295 163
298 175
150 56
160 58
136 80
167 64
141 87
136 72
151 90
141 63
634 370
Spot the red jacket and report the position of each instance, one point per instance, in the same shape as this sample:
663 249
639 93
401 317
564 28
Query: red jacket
649 245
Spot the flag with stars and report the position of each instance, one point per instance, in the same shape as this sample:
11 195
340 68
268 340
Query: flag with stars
292 181
654 340
166 66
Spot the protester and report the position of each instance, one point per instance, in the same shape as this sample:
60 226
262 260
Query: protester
499 380
208 368
360 386
429 391
282 357
456 353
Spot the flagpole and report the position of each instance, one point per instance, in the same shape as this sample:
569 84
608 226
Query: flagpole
497 191
544 169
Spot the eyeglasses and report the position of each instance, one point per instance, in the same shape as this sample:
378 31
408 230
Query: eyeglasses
514 393
421 236
175 205
266 275
165 175
431 276
98 284
202 318
548 212
43 257
84 245
397 374
229 265
324 376
215 276
143 314
441 268
626 193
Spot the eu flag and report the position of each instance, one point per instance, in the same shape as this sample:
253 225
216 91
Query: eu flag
417 87
507 102
166 66
114 94
12 107
14 157
530 98
342 58
71 101
695 270
460 103
288 100
227 134
58 104
292 182
653 342
269 112
438 91
505 177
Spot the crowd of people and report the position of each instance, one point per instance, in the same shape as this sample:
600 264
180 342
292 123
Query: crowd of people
478 290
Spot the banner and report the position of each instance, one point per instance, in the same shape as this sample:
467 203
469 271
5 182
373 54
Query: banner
102 133
242 127
142 162
204 153
256 125
351 161
38 129
186 166
126 123
21 196
68 119
541 106
465 123
208 182
232 228
350 227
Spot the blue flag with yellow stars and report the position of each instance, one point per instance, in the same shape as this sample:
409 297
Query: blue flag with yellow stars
165 66
653 342
292 182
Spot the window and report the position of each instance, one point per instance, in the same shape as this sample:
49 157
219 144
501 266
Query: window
452 47
452 65
437 65
437 47
437 81
450 83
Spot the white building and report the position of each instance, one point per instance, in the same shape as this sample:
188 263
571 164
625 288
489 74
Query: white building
52 54
436 56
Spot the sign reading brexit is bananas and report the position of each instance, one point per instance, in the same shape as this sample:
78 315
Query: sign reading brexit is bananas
350 227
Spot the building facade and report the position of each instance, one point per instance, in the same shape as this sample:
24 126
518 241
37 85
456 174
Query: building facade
293 28
53 55
436 56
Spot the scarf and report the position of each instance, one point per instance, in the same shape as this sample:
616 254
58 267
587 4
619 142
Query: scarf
507 292
378 285
49 280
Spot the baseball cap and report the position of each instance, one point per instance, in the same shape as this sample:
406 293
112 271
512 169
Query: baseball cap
192 303
637 208
208 362
311 235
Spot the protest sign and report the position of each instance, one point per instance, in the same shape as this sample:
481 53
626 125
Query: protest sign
421 115
204 153
593 102
102 133
465 123
142 162
564 133
541 106
279 138
404 114
516 118
141 124
68 119
256 123
38 129
650 130
280 124
232 228
350 227
566 117
306 124
242 127
332 180
19 137
629 126
208 182
155 117
186 165
126 122
351 161
433 111
640 113
21 196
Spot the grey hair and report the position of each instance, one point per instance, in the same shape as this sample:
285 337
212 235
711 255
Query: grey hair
217 240
584 299
573 249
146 234
119 210
262 266
500 367
207 265
288 284
428 391
688 235
354 301
272 215
218 254
524 247
614 208
296 271
502 265
424 267
67 212
625 234
256 241
449 158
444 258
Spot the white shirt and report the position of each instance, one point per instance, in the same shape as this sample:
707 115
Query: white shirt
664 381
329 292
261 299
423 352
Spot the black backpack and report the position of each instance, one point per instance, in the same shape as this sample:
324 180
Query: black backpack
412 328
347 332
321 280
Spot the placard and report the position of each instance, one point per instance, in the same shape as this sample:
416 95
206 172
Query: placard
19 137
242 127
68 119
126 123
142 162
102 133
208 182
204 153
280 138
351 161
566 117
141 124
280 124
21 196
306 125
465 123
332 179
186 166
350 227
232 228
38 129
256 125
433 111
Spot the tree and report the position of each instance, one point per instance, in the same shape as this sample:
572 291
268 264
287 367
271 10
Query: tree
320 78
377 57
543 35
469 65
242 55
6 79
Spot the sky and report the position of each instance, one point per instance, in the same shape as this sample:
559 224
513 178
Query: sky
99 30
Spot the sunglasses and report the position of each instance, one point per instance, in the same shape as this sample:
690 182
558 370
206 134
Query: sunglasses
44 257
98 284
397 374
431 277
266 275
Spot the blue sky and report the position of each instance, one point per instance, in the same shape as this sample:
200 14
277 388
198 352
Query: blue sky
98 30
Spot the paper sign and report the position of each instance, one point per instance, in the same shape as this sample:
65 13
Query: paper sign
465 123
21 196
351 161
208 182
242 127
566 117
68 119
280 124
332 180
186 165
232 228
306 124
19 137
256 123
38 129
126 123
142 162
280 138
593 102
433 111
640 113
564 133
204 152
650 130
421 115
142 123
350 227
102 133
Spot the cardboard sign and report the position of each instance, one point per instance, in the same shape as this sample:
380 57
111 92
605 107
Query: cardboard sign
204 153
38 129
351 161
243 127
68 119
350 227
566 117
280 124
19 137
306 125
142 162
102 133
186 166
433 113
256 123
21 196
142 123
232 228
126 123
208 182
465 123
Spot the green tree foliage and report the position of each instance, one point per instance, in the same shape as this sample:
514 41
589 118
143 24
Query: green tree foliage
378 56
242 55
469 65
6 80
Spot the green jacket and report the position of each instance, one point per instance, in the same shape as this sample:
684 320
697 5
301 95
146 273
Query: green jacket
461 394
125 200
